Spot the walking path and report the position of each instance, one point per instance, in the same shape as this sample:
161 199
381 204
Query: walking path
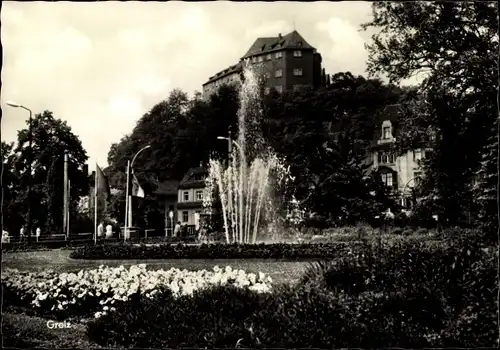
59 260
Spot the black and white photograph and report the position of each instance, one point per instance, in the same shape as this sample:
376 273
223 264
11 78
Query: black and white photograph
224 174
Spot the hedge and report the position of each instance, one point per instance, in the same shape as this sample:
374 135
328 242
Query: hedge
212 251
400 304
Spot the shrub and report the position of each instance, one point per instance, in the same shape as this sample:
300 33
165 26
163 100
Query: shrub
213 251
451 289
289 318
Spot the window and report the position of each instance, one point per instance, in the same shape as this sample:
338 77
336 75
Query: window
386 132
267 75
254 59
199 195
279 54
267 91
278 73
279 88
269 56
186 196
297 72
386 158
261 59
297 87
185 216
297 53
387 179
417 155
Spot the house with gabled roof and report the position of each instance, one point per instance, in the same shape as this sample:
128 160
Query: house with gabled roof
191 192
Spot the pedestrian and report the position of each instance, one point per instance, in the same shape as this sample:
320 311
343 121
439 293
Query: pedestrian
388 220
109 231
38 233
21 234
100 230
177 228
5 237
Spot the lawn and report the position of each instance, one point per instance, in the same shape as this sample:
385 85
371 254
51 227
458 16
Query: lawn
59 260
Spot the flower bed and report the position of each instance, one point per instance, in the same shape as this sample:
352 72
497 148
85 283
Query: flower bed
97 291
213 251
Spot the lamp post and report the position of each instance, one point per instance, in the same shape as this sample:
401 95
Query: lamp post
406 185
30 140
129 196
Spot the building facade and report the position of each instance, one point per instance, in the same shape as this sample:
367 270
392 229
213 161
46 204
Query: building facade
229 76
192 190
399 172
282 62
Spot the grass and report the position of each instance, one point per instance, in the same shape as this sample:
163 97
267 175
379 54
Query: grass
58 260
23 331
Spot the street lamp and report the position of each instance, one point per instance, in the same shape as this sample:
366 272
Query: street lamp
133 159
129 196
228 139
30 140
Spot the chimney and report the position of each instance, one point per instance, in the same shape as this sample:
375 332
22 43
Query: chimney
279 36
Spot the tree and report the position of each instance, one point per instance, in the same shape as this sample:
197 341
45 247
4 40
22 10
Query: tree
10 187
486 189
455 44
331 173
182 133
51 138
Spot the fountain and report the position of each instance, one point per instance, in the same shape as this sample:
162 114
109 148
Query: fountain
246 187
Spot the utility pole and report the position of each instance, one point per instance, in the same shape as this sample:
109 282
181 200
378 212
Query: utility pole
65 203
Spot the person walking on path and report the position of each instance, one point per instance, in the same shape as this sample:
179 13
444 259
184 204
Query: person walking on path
21 234
109 231
177 228
100 230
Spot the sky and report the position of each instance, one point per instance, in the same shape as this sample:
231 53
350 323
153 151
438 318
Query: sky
102 65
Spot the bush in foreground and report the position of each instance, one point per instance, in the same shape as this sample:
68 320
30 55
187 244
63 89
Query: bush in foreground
406 296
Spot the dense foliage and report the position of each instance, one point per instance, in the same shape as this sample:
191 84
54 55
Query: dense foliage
400 296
